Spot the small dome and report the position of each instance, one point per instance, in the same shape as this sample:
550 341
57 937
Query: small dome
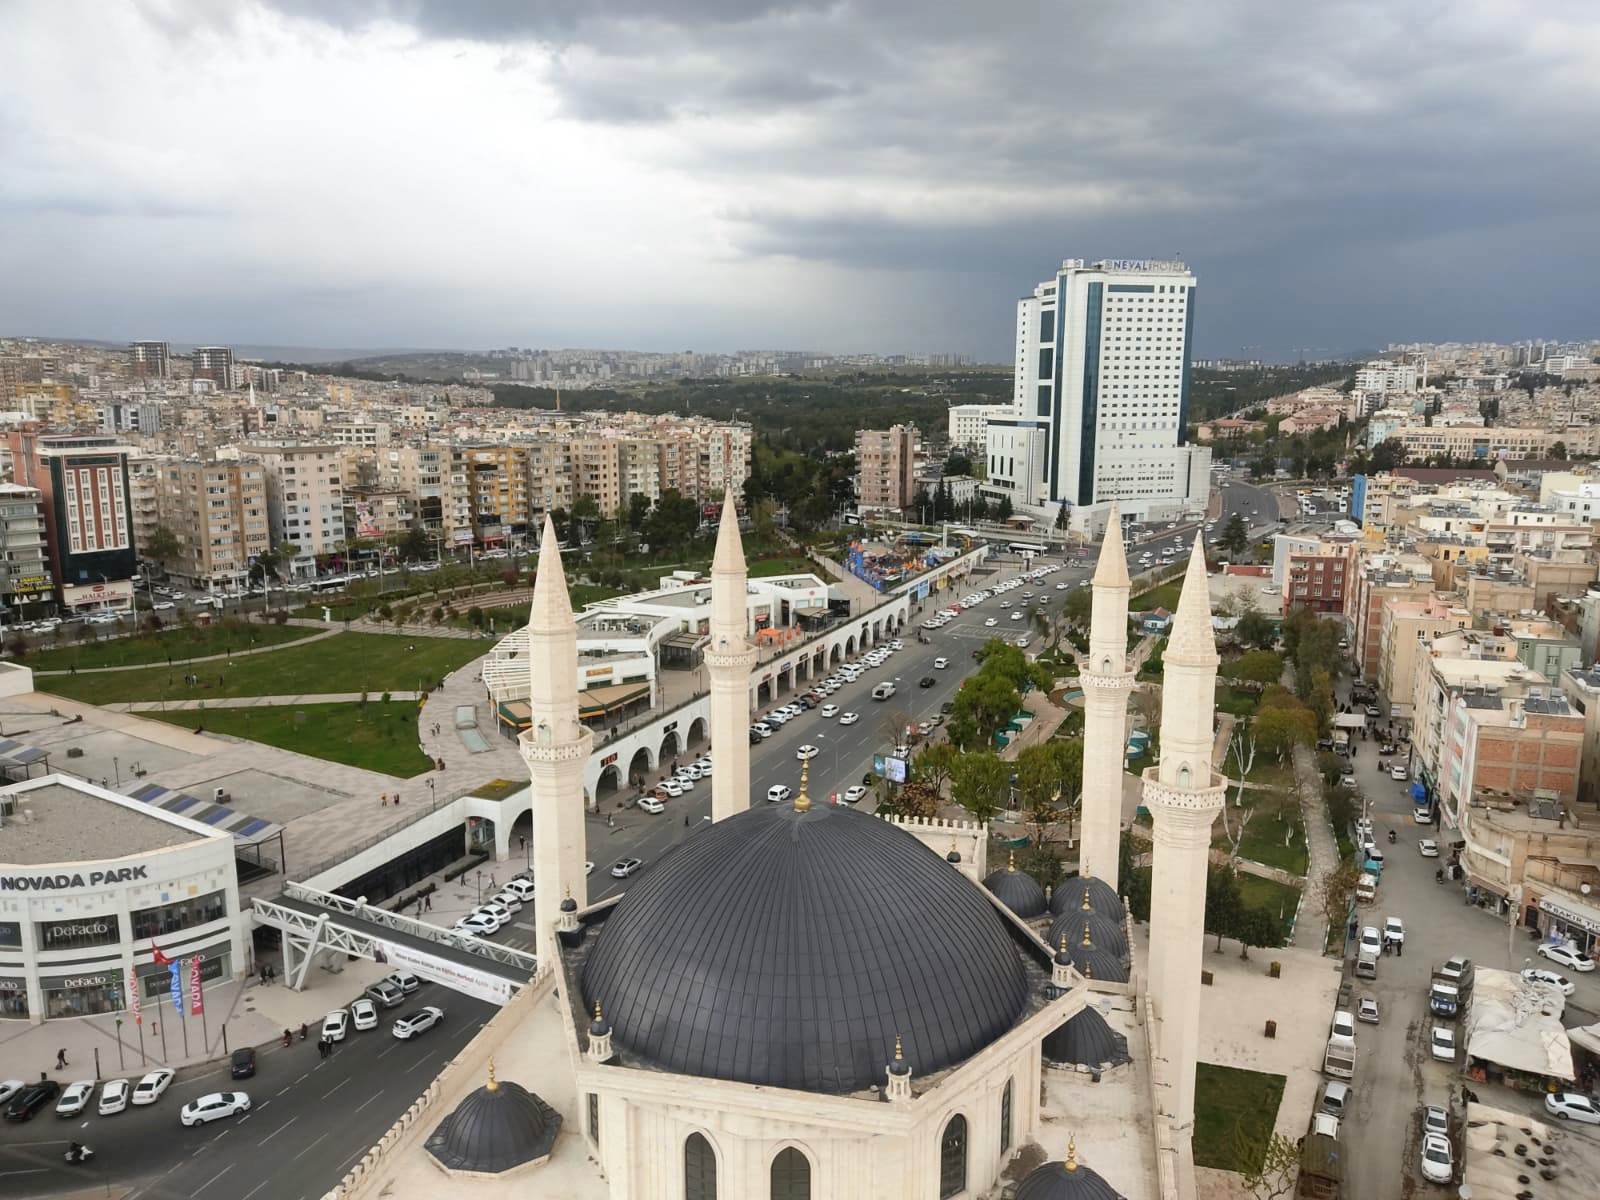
899 1066
1094 963
500 1126
599 1027
1017 890
1086 1040
954 856
1069 1180
1073 892
568 904
1102 931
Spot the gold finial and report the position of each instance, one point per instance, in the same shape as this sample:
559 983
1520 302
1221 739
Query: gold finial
898 1055
1086 935
802 802
1011 861
1087 971
1085 905
492 1085
1072 1152
597 1010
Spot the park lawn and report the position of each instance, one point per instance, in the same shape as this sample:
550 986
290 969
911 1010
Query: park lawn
1268 771
1263 837
1272 896
375 736
1226 1098
780 564
346 662
1165 596
1233 700
175 644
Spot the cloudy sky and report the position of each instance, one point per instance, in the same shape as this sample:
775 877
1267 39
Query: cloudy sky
718 174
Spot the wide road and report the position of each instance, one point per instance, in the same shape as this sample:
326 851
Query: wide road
288 1147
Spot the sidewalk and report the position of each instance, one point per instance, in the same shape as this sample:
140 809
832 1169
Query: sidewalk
1311 930
142 706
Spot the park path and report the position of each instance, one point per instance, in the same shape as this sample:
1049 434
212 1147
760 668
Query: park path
327 632
144 706
1311 932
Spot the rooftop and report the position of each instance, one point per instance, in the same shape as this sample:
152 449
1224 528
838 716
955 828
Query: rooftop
60 819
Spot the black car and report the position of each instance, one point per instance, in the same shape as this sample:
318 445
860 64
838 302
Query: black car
242 1065
755 738
31 1099
926 681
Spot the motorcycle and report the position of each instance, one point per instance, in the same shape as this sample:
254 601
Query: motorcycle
1391 837
77 1154
1438 876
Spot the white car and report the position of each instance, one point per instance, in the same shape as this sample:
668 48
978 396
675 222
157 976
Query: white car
163 606
153 1086
411 1024
671 787
405 981
364 1014
113 1097
691 771
685 783
650 804
1422 816
897 644
1572 1106
940 664
805 752
704 763
1397 772
761 730
990 623
509 899
849 718
335 1025
853 793
477 924
1394 931
625 867
1442 1043
1371 941
1428 848
1438 1163
1568 956
9 1088
497 911
213 1107
75 1098
1344 1025
828 710
1017 616
1062 586
778 793
1022 642
1549 979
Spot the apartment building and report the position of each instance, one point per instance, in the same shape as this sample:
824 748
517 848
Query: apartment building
969 424
1375 580
144 507
724 460
217 511
1408 626
305 500
1485 442
151 360
26 584
1451 665
1517 745
886 467
1581 686
1542 645
597 472
378 514
1539 858
83 486
1318 580
216 364
1382 376
497 485
639 469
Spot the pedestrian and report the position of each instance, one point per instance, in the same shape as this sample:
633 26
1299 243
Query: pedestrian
1400 949
61 1060
428 900
522 841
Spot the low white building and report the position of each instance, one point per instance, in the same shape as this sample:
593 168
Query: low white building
91 883
969 423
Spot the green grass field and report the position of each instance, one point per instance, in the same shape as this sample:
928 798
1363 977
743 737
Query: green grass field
1233 700
379 737
1263 836
1226 1098
347 662
1272 896
1165 596
176 644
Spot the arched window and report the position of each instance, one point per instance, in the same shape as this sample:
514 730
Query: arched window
699 1169
1005 1118
953 1158
1183 776
791 1175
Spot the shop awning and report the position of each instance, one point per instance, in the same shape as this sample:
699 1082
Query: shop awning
598 701
18 754
685 640
1572 911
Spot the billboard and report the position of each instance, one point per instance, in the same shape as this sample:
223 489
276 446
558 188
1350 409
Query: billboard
459 976
895 770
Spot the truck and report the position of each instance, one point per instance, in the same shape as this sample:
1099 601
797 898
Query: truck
1321 1167
1339 1059
1444 998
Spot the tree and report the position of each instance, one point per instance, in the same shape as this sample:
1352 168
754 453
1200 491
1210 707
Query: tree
1255 629
1334 891
638 509
936 764
1559 450
1268 1161
1147 703
1258 666
162 545
415 545
1038 778
1005 510
1235 537
958 463
1224 902
1280 727
981 785
1079 607
915 798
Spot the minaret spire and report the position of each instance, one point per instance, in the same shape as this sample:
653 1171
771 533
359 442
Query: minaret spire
1107 684
555 746
1184 795
730 658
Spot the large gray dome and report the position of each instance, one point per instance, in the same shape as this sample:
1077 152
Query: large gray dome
790 949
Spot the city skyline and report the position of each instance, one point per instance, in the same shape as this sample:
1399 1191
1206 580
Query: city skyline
416 175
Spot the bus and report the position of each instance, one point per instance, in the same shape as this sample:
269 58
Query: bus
1026 548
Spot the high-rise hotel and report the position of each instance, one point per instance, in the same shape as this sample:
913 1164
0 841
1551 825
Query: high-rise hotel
1100 404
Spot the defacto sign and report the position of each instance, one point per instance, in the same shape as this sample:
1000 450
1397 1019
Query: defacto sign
62 881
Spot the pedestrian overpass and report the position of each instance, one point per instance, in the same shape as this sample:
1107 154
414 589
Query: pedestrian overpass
311 920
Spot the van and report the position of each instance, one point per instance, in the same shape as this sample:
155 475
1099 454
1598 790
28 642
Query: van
1366 889
883 691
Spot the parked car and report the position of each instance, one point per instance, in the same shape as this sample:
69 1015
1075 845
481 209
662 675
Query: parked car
829 710
509 898
242 1062
1397 772
424 1019
650 804
1567 955
1371 940
1367 1010
1335 1098
114 1097
1549 978
1394 931
625 867
1344 1025
213 1107
1422 814
1572 1106
9 1088
153 1086
1428 848
404 980
1435 1120
335 1025
1438 1162
477 924
853 793
75 1098
1442 1043
385 994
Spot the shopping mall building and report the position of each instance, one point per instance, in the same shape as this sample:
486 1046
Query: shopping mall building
91 883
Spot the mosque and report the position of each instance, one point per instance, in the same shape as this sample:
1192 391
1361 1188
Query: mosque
803 1001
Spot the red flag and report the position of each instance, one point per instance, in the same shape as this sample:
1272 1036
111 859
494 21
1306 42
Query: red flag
158 958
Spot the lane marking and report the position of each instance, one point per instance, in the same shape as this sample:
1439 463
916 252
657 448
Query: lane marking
336 1087
278 1130
259 1186
214 1178
366 1102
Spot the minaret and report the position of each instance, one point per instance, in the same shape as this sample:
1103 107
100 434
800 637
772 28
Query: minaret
1107 682
730 658
1184 795
556 748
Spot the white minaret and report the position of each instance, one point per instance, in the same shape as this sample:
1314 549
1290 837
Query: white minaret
556 748
1184 796
730 658
1107 682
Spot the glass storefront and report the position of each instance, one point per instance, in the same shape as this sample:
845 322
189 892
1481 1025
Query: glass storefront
13 998
83 995
155 983
79 934
184 914
10 933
